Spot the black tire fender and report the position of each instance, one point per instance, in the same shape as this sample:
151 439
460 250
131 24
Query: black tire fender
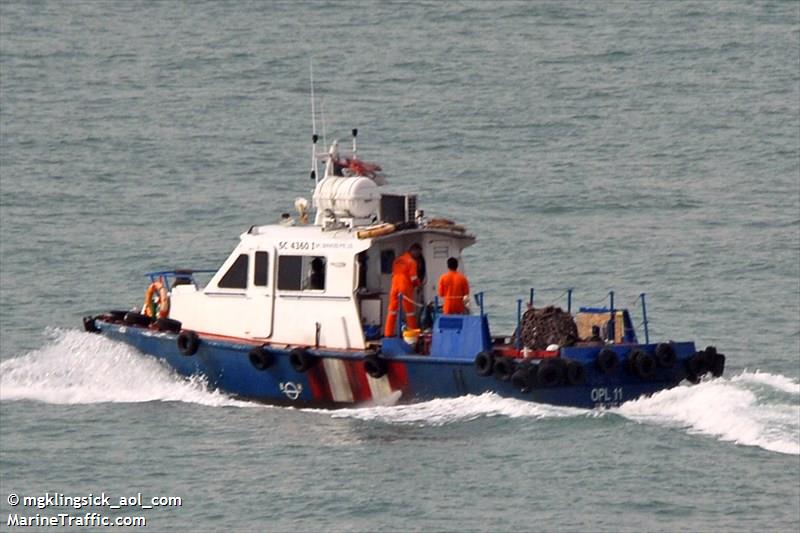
718 366
167 324
523 378
697 365
607 360
642 364
375 366
188 342
575 373
484 363
260 357
716 361
550 373
115 316
301 360
665 355
89 325
136 319
503 368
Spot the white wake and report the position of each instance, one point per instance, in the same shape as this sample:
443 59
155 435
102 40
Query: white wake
451 410
82 368
752 409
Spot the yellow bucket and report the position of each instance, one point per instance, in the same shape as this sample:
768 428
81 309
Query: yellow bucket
411 335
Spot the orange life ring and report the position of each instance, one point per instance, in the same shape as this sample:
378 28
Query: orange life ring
156 300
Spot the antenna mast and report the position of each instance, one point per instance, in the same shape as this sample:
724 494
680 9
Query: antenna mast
314 137
322 116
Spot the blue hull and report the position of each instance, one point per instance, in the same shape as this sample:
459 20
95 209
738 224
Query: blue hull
338 379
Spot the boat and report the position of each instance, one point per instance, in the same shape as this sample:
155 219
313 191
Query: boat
296 314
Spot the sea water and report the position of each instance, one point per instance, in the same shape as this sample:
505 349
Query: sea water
638 147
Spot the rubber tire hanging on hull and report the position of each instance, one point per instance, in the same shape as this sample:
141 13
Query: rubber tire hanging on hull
503 368
484 363
575 373
301 360
89 325
665 355
642 364
188 342
260 358
715 361
718 364
136 319
524 378
697 365
114 316
375 366
167 324
607 360
550 373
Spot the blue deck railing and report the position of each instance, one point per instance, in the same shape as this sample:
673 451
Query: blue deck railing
629 332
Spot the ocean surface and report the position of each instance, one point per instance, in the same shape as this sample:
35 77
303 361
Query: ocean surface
637 146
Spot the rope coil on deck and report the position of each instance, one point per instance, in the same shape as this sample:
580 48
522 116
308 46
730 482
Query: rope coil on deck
545 326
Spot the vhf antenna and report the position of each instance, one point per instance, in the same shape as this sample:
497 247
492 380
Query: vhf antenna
314 136
322 116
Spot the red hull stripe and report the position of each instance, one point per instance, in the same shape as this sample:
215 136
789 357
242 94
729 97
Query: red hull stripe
318 381
398 376
358 381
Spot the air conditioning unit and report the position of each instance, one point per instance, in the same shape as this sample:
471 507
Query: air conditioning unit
396 208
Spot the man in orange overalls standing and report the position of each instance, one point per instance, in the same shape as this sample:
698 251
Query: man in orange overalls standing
404 280
453 287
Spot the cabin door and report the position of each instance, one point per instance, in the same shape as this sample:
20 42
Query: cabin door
261 292
436 253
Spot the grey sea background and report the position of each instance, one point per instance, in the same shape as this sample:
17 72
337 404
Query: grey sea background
637 146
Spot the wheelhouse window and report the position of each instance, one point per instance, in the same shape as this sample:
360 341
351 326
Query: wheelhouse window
301 273
261 271
236 276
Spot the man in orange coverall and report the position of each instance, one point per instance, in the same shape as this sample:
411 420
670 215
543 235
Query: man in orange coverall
453 286
404 280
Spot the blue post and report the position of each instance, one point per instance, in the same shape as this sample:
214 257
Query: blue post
479 297
519 324
644 315
569 300
531 300
611 323
400 315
